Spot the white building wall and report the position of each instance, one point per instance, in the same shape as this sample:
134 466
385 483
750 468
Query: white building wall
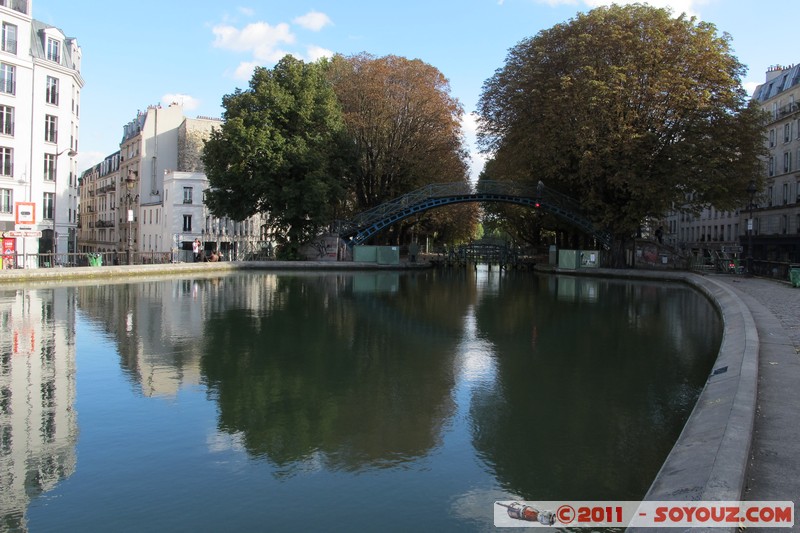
28 139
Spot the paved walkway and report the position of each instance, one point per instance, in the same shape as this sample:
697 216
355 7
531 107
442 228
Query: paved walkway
774 469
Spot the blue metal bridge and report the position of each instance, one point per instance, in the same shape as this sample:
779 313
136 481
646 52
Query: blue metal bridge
364 226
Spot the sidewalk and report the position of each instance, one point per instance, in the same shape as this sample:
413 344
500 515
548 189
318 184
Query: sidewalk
774 468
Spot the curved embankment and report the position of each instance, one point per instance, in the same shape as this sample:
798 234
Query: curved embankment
709 459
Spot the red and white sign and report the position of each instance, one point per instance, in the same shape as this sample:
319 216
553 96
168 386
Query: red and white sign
9 246
24 233
24 213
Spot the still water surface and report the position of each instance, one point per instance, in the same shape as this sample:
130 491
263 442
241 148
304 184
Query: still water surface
338 402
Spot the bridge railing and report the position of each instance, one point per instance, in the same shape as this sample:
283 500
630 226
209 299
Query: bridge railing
380 212
552 200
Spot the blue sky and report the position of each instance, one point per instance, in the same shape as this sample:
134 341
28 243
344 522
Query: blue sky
155 51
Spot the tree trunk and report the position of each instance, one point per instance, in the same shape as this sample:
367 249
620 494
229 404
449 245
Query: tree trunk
618 252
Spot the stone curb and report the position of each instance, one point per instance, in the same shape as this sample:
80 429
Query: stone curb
121 272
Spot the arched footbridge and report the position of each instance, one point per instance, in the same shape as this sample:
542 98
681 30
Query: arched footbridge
364 226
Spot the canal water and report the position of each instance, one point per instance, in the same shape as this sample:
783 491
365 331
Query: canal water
338 401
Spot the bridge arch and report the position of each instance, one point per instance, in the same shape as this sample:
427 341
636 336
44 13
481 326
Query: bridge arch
366 225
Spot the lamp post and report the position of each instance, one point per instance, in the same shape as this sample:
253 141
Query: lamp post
71 153
130 183
751 191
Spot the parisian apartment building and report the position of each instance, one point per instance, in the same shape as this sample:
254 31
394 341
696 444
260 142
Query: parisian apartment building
40 90
144 203
775 230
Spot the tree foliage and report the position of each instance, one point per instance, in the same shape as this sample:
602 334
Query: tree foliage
277 151
404 126
629 110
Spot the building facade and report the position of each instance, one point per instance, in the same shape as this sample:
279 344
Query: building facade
145 203
40 87
97 210
776 209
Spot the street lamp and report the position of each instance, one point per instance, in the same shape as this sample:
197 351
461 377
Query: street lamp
130 183
751 191
71 153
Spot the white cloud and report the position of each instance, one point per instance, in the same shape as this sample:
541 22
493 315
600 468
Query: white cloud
317 52
89 159
247 12
189 103
245 70
469 125
259 38
313 20
750 86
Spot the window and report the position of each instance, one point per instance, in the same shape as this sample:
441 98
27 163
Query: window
787 161
187 195
8 80
51 128
50 167
48 205
187 222
6 120
771 166
51 91
6 161
785 193
787 132
6 200
771 138
9 38
54 50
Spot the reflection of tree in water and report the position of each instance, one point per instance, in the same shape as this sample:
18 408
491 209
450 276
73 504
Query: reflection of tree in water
590 395
329 373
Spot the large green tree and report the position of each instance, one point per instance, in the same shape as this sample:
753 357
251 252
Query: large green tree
629 109
277 151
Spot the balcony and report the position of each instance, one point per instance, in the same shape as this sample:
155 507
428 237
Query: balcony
788 109
107 188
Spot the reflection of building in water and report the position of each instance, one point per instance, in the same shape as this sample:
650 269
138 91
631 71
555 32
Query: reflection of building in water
38 423
158 325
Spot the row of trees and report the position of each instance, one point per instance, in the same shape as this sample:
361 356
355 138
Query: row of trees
309 143
630 110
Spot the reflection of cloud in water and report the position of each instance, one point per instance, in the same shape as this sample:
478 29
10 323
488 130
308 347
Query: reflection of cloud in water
477 506
476 358
222 442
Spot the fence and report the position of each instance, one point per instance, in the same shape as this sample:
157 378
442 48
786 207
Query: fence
61 260
65 260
